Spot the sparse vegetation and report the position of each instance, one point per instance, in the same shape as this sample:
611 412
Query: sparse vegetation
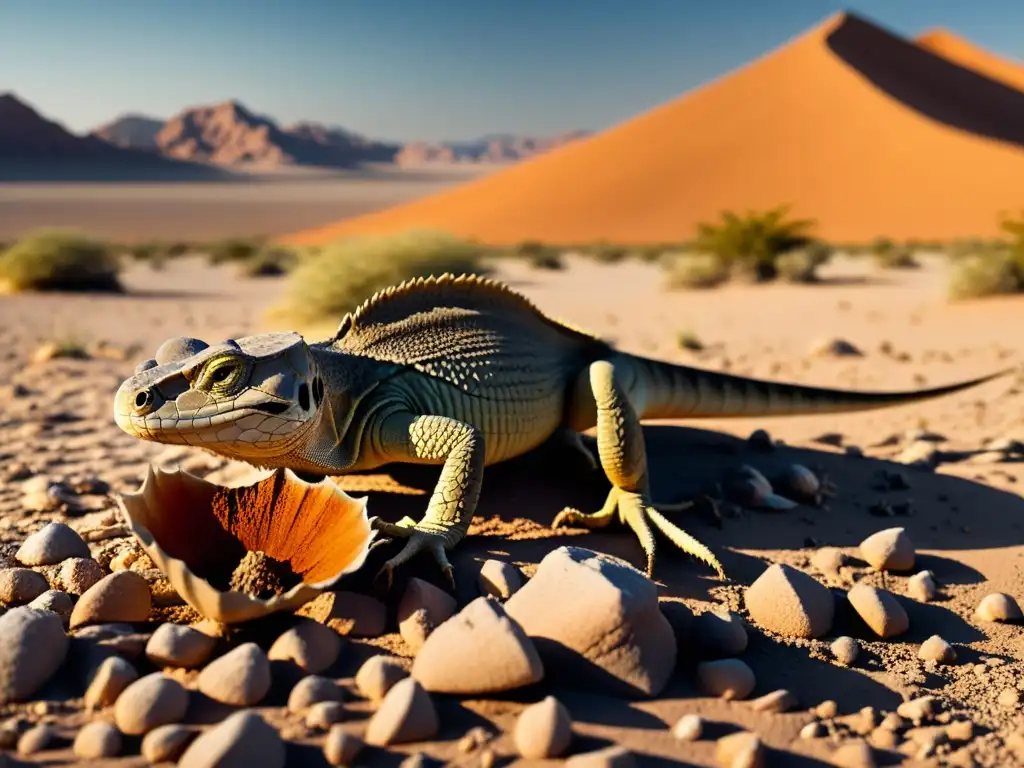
539 255
270 261
695 270
58 260
606 253
801 264
233 249
985 273
690 341
891 255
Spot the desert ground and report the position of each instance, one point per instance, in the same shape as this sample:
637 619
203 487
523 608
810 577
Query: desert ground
959 505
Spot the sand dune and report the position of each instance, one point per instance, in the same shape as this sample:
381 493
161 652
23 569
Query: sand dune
966 54
848 123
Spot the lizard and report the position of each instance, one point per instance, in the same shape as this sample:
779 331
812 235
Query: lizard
461 372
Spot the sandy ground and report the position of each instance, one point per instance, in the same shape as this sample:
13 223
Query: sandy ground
965 518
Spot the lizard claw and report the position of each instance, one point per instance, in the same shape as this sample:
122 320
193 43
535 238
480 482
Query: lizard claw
416 542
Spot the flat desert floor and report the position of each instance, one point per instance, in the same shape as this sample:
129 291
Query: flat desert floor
965 517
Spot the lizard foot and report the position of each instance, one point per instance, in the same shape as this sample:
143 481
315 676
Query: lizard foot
638 513
416 541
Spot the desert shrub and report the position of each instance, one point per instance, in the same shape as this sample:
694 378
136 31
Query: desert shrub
695 270
270 261
233 249
60 261
800 265
539 255
344 274
988 272
749 244
689 340
606 253
651 254
888 254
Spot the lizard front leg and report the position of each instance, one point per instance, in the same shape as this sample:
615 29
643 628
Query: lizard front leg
423 439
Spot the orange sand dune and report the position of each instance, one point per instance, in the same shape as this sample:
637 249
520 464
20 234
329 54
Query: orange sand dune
848 123
960 51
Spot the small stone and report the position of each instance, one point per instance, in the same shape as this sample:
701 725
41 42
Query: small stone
341 748
742 748
918 710
52 544
423 607
312 646
845 650
78 574
879 609
726 678
36 739
149 702
921 586
854 754
813 730
378 675
175 645
892 722
21 585
1009 698
791 603
499 579
614 756
543 730
999 606
347 613
863 721
883 738
311 690
828 560
889 550
688 728
119 638
97 740
719 634
167 743
324 714
405 714
781 700
113 675
920 454
56 601
937 649
120 597
240 677
34 647
241 739
826 710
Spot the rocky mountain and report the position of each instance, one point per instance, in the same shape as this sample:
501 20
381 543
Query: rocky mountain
495 148
131 131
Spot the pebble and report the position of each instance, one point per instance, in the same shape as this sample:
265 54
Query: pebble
479 650
56 601
719 634
150 701
921 586
598 620
998 606
826 709
918 710
241 677
97 740
347 613
51 544
341 748
242 739
543 730
167 743
614 756
21 585
778 701
120 597
78 574
378 675
937 649
828 560
312 646
36 739
1009 697
728 679
175 645
742 748
835 348
688 728
499 578
889 550
405 714
311 690
845 650
422 608
855 753
813 730
791 603
879 609
324 714
33 649
883 738
112 676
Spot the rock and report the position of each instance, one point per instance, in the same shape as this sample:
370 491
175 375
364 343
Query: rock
1009 698
790 603
855 753
921 586
311 690
150 701
879 609
240 677
937 649
36 739
33 649
742 748
378 675
776 701
21 585
167 743
680 618
609 757
813 730
56 601
845 650
826 710
347 613
719 633
998 606
422 608
312 646
97 740
499 579
726 678
918 710
78 574
889 550
835 348
596 623
113 675
119 638
324 714
543 730
920 454
242 739
479 650
688 728
405 714
828 560
51 544
341 748
175 645
120 597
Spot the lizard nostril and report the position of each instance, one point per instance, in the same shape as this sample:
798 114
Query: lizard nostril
143 398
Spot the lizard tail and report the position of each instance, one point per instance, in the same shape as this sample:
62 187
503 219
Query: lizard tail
671 391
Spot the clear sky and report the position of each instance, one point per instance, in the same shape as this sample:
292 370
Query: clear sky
421 69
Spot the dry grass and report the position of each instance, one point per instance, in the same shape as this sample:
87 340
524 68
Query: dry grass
695 270
58 260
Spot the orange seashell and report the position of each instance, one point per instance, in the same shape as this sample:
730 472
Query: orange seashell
197 532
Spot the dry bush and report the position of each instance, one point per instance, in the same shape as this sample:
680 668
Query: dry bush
270 261
695 270
891 255
233 249
801 264
538 255
987 272
749 243
58 260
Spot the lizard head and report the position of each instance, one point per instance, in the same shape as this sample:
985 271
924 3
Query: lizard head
249 399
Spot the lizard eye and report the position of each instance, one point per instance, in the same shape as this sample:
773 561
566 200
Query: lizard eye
221 374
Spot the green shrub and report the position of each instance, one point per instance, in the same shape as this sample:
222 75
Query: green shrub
749 244
538 255
60 261
888 254
605 253
695 270
986 273
233 249
801 264
270 261
344 274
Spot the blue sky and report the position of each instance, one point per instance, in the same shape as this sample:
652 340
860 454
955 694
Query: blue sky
420 69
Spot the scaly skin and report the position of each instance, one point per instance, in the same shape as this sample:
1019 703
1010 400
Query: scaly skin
452 371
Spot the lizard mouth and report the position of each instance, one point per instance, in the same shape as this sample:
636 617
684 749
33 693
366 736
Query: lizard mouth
253 429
